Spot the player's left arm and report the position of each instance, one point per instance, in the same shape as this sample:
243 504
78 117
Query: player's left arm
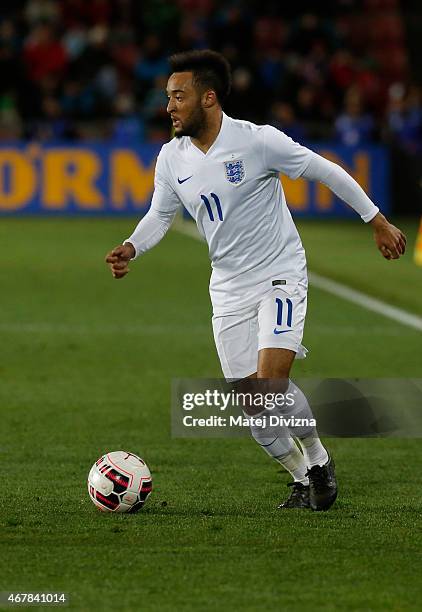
281 154
389 239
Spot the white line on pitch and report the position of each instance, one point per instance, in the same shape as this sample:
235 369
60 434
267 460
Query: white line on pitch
335 288
366 301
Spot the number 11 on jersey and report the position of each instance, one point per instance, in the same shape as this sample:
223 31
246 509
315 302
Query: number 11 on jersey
209 208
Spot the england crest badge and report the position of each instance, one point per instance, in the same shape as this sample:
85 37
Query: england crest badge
235 171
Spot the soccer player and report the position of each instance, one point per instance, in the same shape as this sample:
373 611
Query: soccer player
226 173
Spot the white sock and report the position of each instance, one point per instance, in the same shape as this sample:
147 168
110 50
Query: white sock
277 442
294 462
313 450
307 436
299 409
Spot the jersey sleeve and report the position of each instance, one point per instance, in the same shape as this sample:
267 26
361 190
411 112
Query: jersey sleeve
164 205
342 184
282 154
164 198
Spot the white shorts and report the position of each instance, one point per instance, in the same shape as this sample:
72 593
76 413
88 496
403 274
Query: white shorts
275 321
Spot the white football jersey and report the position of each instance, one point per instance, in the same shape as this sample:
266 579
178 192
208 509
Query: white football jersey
235 196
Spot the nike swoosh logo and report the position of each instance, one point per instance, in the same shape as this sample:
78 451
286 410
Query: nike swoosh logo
281 331
180 181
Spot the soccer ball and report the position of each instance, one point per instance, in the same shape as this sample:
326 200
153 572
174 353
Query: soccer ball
119 482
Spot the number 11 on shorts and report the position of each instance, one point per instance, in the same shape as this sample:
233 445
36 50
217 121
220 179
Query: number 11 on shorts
284 307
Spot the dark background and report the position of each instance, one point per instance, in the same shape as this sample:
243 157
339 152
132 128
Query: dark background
345 71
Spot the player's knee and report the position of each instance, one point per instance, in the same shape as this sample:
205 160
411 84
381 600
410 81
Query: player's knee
277 383
275 363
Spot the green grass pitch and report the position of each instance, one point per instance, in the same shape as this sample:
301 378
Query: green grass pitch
86 365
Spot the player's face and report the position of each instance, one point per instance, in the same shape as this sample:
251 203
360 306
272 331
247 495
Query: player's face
184 106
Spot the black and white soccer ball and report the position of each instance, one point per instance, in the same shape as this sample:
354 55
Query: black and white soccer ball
119 482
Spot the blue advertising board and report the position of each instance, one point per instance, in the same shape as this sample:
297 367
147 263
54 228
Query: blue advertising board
102 179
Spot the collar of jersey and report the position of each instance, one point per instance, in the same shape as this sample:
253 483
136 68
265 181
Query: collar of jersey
224 124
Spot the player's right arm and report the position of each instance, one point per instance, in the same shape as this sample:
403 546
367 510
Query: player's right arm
152 227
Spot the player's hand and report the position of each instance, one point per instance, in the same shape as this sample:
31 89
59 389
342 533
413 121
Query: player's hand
118 259
390 241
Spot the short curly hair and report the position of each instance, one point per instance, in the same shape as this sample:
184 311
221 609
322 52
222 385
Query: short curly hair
210 70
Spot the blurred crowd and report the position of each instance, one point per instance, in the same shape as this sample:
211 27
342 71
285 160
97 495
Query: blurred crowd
78 69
